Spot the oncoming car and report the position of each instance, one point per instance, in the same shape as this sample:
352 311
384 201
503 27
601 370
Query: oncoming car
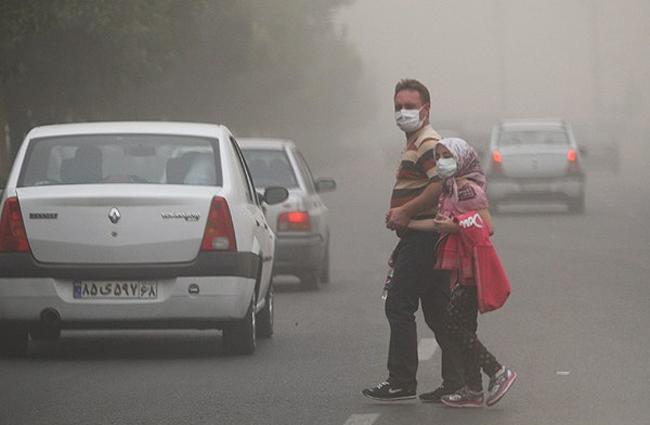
301 223
134 225
535 160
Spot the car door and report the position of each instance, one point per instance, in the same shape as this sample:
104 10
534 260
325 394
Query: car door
263 234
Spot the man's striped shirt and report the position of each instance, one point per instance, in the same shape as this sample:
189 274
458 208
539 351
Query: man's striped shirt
417 167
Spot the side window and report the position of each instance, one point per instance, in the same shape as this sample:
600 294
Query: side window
251 194
305 171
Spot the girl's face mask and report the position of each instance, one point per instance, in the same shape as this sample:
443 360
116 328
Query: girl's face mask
446 167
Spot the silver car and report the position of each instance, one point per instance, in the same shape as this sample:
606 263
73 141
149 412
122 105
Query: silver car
535 160
301 223
134 225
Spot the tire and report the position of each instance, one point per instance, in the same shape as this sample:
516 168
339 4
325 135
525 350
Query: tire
14 341
577 205
310 280
240 337
45 334
265 317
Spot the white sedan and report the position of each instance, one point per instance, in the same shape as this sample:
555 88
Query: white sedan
134 225
535 160
302 222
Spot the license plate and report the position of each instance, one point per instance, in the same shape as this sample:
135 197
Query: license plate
536 187
116 290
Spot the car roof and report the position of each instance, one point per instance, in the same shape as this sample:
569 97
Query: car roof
129 127
540 123
264 143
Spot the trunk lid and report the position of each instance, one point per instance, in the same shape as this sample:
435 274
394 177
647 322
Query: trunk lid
534 161
115 224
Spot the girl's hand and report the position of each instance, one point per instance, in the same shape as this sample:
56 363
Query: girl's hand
445 224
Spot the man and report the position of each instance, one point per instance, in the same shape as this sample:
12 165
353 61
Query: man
415 281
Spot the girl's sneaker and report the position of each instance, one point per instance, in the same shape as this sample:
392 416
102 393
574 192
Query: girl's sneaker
499 385
463 398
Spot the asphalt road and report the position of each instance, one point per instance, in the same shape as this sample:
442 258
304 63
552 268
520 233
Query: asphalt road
575 329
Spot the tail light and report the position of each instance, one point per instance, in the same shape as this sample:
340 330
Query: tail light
497 167
573 166
294 221
13 237
219 230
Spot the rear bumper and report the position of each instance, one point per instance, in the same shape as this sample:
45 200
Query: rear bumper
24 265
503 189
296 253
220 299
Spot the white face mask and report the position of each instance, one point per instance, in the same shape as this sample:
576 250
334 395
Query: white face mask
446 167
408 120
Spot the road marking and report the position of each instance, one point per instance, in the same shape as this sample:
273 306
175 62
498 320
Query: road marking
362 419
427 348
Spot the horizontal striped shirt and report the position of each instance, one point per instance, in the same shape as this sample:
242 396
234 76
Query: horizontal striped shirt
417 167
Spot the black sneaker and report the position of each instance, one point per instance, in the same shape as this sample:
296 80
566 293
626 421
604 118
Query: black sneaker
464 398
435 395
387 392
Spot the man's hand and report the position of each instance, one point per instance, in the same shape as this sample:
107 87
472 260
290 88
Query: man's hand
397 219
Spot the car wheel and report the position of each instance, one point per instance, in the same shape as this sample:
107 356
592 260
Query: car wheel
45 334
577 205
14 341
240 337
265 317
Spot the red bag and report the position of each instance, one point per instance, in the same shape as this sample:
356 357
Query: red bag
493 287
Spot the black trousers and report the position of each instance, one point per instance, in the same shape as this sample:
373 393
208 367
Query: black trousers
461 324
416 281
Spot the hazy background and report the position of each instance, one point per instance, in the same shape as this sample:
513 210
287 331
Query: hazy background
586 61
322 72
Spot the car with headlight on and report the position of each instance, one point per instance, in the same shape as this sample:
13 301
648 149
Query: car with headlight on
535 160
130 225
301 223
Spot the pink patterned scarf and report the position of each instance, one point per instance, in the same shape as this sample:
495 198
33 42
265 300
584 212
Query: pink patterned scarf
470 197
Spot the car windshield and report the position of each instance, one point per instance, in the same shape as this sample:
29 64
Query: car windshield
533 137
122 158
270 168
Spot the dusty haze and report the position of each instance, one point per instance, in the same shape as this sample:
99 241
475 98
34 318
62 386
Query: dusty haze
586 61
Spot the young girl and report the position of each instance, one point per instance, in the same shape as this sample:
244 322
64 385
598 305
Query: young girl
463 191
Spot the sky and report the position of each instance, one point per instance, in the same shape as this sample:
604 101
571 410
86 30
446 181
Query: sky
585 61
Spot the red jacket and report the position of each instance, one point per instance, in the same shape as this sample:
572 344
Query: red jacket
473 260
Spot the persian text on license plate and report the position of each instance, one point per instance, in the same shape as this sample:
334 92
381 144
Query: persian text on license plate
116 290
536 187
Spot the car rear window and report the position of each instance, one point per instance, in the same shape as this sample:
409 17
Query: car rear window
533 137
270 168
122 158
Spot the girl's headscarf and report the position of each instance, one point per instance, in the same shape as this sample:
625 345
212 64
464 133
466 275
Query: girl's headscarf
468 167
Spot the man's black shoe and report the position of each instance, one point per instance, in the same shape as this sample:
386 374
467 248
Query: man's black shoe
434 396
387 392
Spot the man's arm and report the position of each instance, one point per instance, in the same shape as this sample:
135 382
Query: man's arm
398 218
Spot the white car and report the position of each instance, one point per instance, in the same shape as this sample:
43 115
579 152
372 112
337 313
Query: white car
134 225
301 223
535 160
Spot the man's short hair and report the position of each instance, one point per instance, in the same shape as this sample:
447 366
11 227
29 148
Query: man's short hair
415 85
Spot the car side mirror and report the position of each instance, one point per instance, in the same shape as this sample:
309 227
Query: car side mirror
325 185
275 194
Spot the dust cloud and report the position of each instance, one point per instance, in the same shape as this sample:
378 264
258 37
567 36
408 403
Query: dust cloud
484 60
